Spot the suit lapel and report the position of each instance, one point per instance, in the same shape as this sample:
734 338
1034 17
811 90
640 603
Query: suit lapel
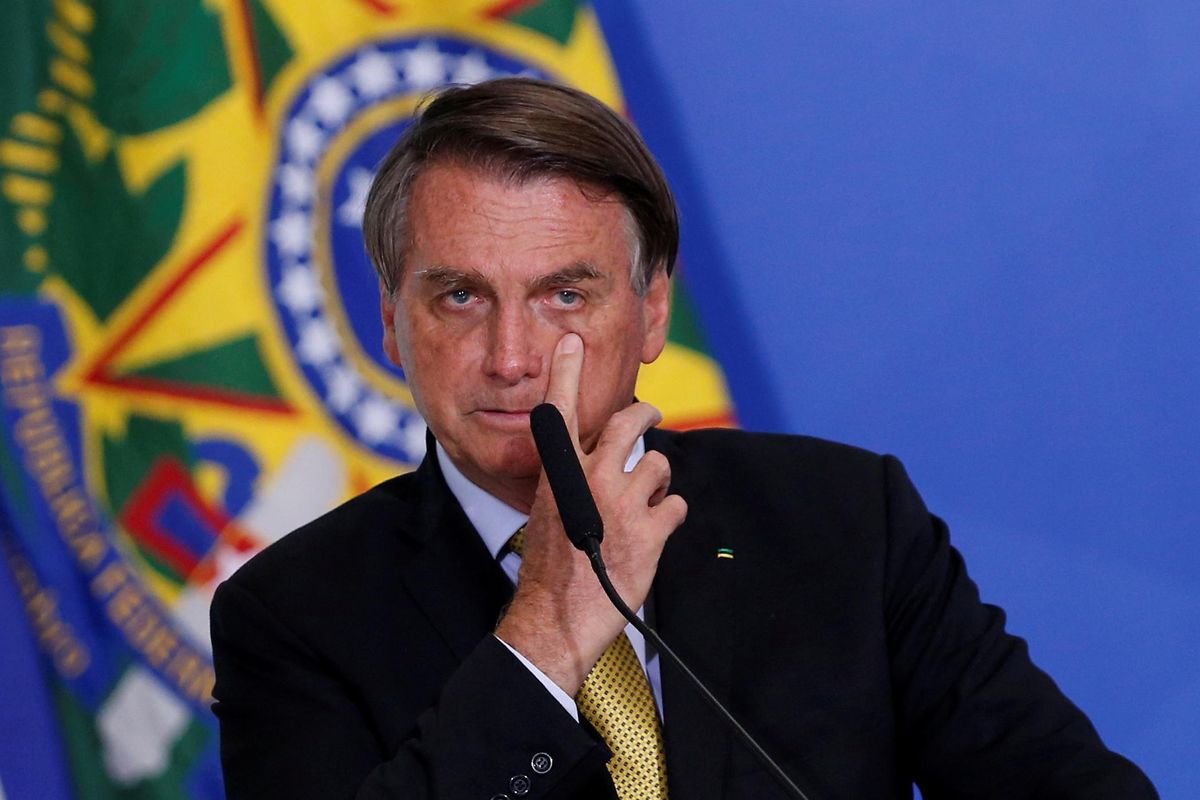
693 607
451 576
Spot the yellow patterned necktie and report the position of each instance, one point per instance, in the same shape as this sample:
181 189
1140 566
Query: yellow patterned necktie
616 699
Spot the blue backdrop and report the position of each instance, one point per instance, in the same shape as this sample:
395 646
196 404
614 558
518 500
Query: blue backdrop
968 234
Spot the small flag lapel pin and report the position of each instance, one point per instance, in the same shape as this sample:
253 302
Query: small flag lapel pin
724 552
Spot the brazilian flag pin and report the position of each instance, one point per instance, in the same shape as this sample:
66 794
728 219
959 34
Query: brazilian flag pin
724 552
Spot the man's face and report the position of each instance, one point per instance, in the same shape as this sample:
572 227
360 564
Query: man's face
496 274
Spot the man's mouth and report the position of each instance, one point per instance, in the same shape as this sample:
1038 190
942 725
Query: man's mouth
505 417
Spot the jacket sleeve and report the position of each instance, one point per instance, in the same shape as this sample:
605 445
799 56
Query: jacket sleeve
291 728
978 718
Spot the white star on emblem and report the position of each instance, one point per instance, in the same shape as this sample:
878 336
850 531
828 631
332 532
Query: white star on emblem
304 139
299 290
344 386
472 68
318 343
412 437
291 233
297 183
332 102
424 66
350 212
375 419
373 74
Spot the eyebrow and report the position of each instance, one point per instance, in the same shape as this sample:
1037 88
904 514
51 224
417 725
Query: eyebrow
447 276
572 274
578 272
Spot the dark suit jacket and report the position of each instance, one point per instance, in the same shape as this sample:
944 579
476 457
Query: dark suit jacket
354 657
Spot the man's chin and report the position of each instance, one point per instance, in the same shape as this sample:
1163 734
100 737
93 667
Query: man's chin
510 459
516 457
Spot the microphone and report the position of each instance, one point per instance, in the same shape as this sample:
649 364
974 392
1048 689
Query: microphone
580 517
584 527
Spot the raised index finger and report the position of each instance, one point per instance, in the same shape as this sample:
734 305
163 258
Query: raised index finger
563 391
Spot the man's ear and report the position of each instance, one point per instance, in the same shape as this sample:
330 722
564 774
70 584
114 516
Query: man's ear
658 315
387 312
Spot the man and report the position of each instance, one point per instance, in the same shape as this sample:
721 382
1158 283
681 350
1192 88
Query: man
524 238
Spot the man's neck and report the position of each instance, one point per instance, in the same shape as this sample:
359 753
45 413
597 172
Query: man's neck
517 493
493 518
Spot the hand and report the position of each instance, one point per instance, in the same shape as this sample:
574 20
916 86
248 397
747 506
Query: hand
560 618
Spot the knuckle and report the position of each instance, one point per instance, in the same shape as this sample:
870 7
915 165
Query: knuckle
618 429
676 507
646 408
656 462
625 419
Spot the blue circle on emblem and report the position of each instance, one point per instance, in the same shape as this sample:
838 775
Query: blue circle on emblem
349 259
324 289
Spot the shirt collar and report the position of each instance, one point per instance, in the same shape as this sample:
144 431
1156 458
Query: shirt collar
494 520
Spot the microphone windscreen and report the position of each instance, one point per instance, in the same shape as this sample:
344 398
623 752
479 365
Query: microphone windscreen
576 506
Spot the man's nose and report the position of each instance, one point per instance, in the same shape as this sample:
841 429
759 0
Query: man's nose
513 350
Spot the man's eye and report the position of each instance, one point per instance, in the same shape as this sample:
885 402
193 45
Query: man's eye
460 297
568 297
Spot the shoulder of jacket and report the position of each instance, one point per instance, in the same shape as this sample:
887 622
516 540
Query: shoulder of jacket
752 446
352 530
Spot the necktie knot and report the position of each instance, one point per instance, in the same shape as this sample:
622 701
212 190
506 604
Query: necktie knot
516 542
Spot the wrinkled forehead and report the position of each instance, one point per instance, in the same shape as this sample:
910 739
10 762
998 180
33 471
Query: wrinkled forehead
450 183
491 167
